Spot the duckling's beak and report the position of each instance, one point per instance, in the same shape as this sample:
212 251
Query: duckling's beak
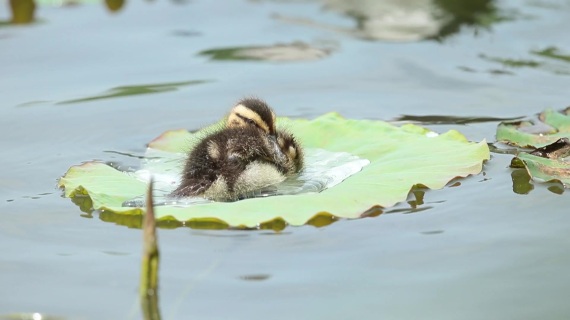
276 149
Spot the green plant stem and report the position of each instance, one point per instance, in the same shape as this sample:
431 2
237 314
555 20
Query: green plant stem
148 291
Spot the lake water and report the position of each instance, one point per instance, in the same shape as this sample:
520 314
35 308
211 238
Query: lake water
84 83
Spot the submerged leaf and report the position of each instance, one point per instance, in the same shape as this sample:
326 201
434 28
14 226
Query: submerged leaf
400 158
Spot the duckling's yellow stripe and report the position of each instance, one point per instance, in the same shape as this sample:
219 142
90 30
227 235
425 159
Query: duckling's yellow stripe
240 111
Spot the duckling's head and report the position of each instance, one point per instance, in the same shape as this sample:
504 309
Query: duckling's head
292 151
252 112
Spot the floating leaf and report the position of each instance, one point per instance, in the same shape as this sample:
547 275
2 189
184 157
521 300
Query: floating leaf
548 163
545 169
400 158
549 135
550 126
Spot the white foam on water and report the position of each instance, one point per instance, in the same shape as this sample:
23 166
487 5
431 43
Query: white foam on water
323 169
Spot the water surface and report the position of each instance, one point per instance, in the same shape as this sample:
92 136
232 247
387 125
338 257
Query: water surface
83 82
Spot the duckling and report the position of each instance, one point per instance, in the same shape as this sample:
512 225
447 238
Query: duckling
293 161
247 155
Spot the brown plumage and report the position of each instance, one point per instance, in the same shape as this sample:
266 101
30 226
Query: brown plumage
247 155
289 146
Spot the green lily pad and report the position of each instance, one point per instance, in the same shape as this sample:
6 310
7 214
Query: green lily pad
545 169
400 158
549 163
550 126
548 135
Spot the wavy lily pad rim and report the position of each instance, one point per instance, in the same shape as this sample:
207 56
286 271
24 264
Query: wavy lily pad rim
318 220
360 209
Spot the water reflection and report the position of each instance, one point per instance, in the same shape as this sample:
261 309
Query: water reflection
22 11
550 59
150 307
136 221
391 20
521 181
419 199
409 20
414 204
30 316
125 91
443 119
295 51
432 232
255 277
552 53
114 5
556 188
84 203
